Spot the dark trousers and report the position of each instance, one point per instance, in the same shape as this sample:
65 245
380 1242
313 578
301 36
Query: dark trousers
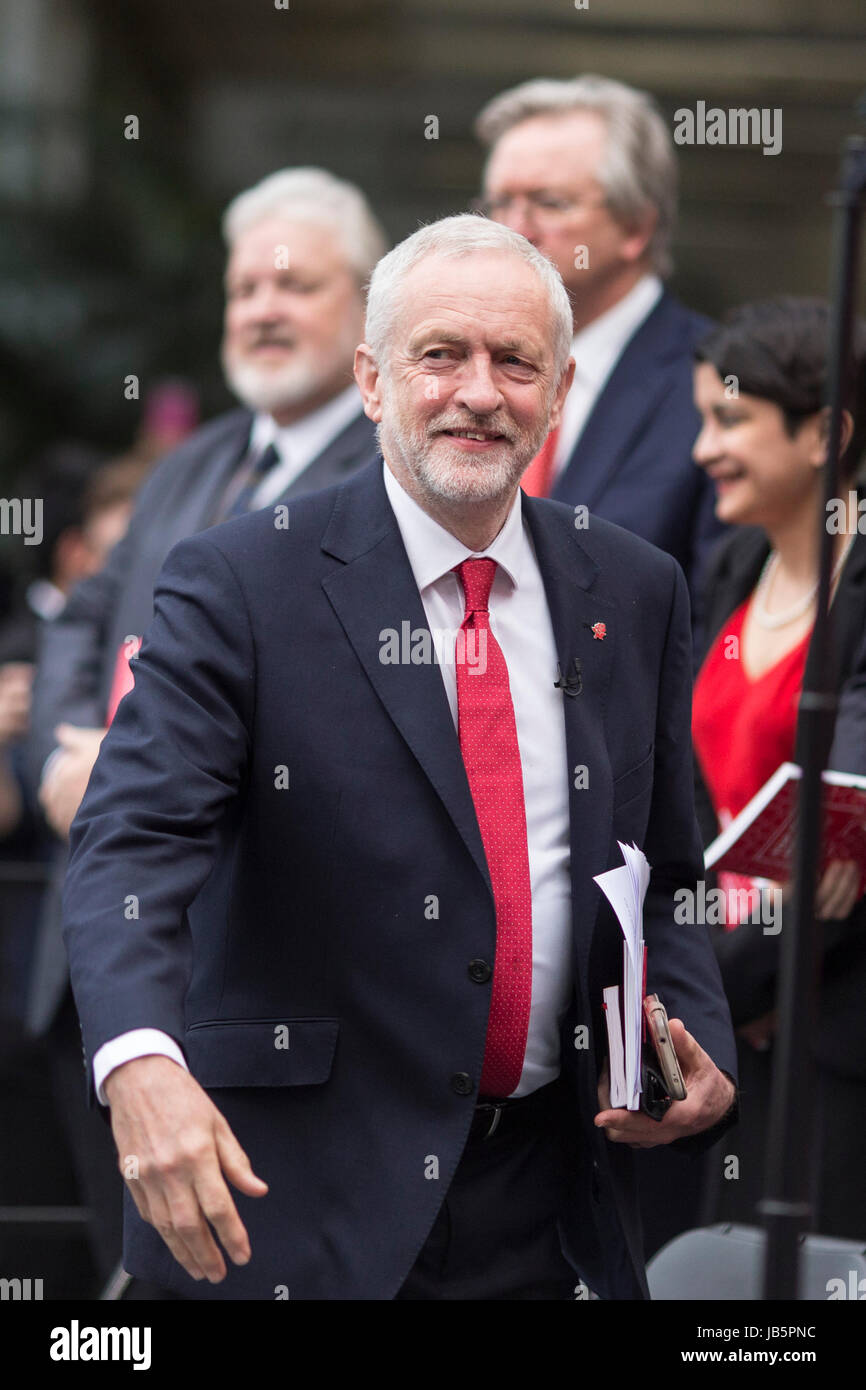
495 1236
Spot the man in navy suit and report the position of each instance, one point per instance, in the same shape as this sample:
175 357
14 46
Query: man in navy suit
301 245
331 914
586 170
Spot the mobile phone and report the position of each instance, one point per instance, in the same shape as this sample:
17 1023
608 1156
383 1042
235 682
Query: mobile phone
660 1035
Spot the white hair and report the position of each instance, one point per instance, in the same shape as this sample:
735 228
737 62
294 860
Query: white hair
638 169
312 195
454 237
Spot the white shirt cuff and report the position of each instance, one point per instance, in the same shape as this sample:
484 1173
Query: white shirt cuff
138 1042
50 761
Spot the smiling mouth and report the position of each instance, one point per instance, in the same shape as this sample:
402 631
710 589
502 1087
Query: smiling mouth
733 475
480 436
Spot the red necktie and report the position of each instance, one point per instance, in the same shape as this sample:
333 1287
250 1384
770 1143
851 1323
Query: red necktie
537 481
488 742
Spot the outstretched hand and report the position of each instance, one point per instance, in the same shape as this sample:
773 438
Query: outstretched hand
175 1150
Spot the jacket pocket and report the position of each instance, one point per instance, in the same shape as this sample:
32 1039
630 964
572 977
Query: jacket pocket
636 780
262 1052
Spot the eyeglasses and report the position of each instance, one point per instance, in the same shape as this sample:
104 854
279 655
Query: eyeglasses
541 202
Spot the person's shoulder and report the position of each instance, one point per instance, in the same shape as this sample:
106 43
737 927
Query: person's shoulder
613 549
215 431
689 323
199 447
249 542
737 551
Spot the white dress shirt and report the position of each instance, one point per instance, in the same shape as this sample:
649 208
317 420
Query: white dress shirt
45 599
596 350
520 622
298 444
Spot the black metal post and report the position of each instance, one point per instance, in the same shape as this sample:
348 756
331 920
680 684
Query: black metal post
785 1208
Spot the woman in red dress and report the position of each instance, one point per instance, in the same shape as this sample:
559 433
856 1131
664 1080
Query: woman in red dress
760 384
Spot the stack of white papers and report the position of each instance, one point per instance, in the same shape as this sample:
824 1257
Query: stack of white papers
625 889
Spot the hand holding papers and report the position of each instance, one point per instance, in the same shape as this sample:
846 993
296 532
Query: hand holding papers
645 1078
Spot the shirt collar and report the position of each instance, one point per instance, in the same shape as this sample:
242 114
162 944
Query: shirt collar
433 551
306 438
596 347
45 599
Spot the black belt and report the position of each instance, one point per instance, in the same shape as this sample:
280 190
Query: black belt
497 1117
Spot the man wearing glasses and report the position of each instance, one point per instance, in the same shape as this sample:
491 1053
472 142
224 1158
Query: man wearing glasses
585 170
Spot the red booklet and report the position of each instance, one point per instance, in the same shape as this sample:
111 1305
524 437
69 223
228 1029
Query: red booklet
123 679
760 840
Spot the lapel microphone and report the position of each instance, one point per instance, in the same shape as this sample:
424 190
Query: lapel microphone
570 685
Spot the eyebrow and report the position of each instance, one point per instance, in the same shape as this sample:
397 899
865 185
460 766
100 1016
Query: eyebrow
458 340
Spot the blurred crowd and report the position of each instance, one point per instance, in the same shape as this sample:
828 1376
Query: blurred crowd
709 440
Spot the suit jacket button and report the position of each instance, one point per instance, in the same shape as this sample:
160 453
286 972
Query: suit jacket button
479 971
461 1082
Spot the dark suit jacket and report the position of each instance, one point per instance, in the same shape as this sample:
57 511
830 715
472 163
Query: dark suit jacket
749 960
260 905
632 463
78 651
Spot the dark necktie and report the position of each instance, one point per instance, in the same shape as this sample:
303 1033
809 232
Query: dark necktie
488 741
267 459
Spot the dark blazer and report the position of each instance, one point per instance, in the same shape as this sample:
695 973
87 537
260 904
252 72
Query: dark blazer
78 651
258 905
632 463
749 960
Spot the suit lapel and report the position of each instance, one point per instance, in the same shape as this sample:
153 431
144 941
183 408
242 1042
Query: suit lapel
630 393
569 576
375 589
197 505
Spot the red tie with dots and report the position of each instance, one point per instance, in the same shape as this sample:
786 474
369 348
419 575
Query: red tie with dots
488 742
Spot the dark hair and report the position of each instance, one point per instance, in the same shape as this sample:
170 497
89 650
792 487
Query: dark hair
60 476
777 349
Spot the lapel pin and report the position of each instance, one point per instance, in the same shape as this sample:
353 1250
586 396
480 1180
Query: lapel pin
598 630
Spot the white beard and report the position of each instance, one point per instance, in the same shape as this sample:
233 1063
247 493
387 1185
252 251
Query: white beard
303 379
449 474
272 390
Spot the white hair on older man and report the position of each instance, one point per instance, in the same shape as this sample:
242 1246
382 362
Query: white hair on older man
457 236
638 169
312 195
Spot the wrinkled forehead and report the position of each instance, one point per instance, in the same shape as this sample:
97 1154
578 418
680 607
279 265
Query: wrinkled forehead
482 293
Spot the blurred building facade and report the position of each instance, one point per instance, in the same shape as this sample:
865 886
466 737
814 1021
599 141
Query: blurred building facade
110 259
